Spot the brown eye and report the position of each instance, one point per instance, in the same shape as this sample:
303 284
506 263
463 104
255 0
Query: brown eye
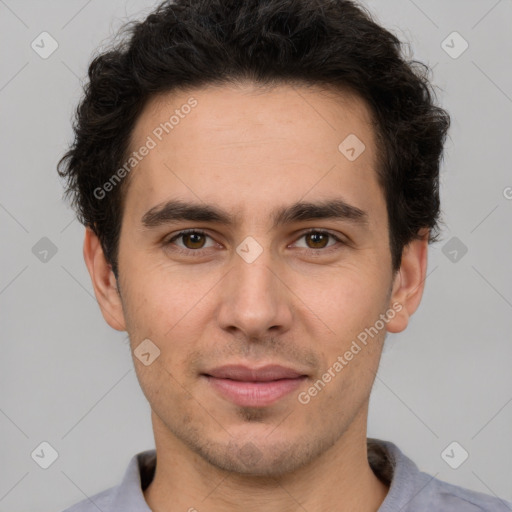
317 239
193 240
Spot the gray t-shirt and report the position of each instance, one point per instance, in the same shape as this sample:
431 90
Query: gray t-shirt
410 489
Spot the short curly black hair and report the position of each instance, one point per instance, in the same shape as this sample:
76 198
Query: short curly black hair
187 44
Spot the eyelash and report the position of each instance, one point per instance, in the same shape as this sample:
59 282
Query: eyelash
198 252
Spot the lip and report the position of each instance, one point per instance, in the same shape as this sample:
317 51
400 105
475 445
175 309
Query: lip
245 373
254 387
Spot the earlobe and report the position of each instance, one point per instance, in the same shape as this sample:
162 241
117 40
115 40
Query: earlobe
103 281
409 283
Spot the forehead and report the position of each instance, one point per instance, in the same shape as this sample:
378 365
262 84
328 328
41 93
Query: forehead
248 148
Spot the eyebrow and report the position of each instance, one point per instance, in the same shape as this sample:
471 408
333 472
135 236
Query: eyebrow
176 210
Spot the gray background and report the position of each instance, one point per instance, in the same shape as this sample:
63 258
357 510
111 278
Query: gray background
67 378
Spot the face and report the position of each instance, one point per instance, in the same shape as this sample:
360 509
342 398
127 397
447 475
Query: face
249 238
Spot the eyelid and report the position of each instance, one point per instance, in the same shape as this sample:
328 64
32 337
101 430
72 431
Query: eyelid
321 231
184 232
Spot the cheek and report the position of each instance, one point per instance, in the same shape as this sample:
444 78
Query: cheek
344 300
169 309
158 294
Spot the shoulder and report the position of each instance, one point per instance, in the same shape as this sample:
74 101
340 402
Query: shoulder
126 496
444 496
100 501
412 490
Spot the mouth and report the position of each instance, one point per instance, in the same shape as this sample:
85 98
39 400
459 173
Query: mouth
254 387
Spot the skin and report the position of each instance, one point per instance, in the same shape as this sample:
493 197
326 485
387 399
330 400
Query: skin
300 304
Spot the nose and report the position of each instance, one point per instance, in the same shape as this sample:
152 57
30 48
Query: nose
255 300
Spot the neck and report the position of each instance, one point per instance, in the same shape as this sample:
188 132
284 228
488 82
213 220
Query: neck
341 479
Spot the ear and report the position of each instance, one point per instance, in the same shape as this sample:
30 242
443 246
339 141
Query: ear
103 281
409 282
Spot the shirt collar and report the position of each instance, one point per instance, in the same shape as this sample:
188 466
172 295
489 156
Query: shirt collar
129 496
385 458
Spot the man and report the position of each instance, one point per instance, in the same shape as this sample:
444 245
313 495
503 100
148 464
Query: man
259 185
